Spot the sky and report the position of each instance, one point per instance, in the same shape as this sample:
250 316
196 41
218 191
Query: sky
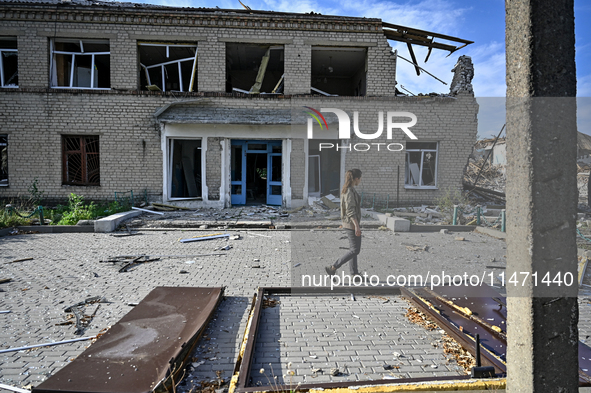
480 21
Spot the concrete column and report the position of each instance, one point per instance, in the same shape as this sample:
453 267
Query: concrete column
541 195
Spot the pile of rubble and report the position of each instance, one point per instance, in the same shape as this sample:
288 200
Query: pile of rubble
492 177
583 183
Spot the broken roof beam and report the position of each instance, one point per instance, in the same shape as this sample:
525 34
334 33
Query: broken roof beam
421 37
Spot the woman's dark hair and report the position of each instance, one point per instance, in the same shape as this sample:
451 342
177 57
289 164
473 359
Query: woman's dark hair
350 176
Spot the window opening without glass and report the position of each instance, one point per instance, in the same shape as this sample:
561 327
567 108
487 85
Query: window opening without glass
168 66
421 164
339 71
254 69
80 64
185 168
8 62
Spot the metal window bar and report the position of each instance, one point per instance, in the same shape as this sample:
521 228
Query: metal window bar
163 70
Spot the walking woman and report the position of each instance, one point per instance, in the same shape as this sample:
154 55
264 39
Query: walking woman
350 215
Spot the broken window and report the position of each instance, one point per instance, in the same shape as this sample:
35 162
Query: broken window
185 168
421 164
80 155
168 67
254 69
339 71
80 64
3 160
8 62
324 168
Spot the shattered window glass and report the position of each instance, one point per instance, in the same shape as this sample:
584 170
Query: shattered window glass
3 160
168 67
82 64
81 160
8 62
421 164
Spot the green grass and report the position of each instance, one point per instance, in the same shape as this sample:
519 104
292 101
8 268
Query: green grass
75 210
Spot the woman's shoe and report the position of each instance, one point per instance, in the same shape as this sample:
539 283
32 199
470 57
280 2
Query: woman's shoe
331 270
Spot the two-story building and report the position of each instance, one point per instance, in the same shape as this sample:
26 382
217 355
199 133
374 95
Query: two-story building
219 107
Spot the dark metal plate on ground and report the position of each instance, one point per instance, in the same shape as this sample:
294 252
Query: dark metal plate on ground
141 351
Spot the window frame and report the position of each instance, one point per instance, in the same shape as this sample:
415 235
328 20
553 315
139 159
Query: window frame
407 166
53 52
2 72
84 160
4 182
144 68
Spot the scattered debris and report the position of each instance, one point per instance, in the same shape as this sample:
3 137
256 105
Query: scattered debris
47 344
19 260
5 280
460 239
146 210
13 389
417 248
297 264
415 316
270 302
173 207
205 237
235 237
462 357
335 372
315 372
183 272
5 312
17 231
226 248
444 231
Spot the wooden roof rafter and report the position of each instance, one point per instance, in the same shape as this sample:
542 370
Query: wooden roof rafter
423 38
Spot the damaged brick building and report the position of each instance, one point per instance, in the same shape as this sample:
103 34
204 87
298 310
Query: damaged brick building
211 107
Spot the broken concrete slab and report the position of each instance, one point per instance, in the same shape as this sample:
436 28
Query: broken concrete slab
108 224
398 224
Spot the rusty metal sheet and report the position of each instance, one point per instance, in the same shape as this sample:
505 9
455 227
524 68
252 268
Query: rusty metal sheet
141 351
488 309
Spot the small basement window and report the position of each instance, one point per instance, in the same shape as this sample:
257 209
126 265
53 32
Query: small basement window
3 160
254 69
421 165
339 71
80 157
168 66
80 64
8 62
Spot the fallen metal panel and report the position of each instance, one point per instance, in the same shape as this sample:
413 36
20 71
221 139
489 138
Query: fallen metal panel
453 329
141 351
242 370
479 310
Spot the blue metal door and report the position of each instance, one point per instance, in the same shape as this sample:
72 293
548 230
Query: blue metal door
238 173
274 171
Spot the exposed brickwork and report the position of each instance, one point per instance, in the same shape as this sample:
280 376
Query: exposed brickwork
213 169
131 156
297 168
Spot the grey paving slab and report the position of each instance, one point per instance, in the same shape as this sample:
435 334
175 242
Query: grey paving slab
65 270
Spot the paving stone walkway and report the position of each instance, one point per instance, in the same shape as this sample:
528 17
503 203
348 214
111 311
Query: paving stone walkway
330 331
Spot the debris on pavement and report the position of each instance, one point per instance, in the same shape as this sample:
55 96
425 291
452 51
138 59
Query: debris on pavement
19 260
46 344
270 302
415 316
205 237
